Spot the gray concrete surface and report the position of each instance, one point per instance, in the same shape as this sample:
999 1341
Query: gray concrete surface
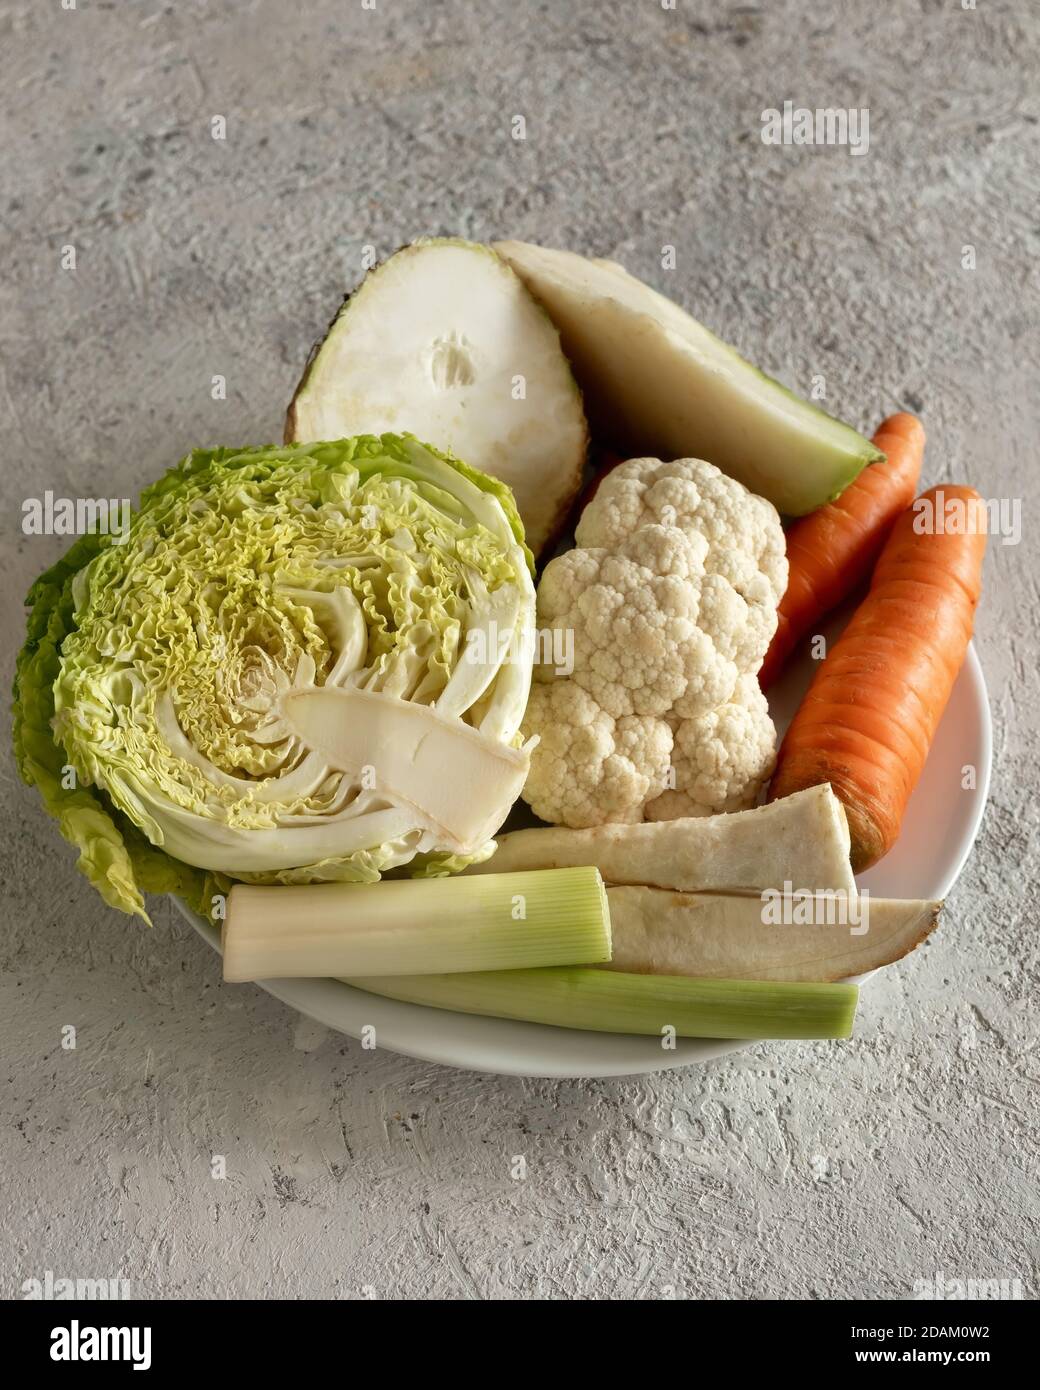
812 1171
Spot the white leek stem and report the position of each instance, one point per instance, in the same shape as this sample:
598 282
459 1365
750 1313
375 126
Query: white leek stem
417 926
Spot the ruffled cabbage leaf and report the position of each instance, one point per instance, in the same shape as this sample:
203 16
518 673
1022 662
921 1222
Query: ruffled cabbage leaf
156 691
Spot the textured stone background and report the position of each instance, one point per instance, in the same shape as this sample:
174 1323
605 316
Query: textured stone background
798 1171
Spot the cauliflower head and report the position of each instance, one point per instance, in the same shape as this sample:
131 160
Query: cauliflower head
669 601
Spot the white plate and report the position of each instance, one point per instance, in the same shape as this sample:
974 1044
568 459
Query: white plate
941 823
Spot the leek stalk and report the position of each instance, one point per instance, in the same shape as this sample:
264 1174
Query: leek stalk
498 922
608 1001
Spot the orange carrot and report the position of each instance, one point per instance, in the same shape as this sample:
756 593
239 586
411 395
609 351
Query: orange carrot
832 551
869 717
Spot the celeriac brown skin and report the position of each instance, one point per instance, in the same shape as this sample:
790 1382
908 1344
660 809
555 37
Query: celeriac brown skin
870 715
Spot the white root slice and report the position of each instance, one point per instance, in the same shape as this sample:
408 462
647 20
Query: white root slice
715 936
443 340
459 782
801 839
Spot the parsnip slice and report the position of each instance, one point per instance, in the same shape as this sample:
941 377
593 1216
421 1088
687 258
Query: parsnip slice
801 839
715 936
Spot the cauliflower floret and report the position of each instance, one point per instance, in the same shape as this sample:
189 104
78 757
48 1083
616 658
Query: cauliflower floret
639 645
746 541
589 768
670 598
721 759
